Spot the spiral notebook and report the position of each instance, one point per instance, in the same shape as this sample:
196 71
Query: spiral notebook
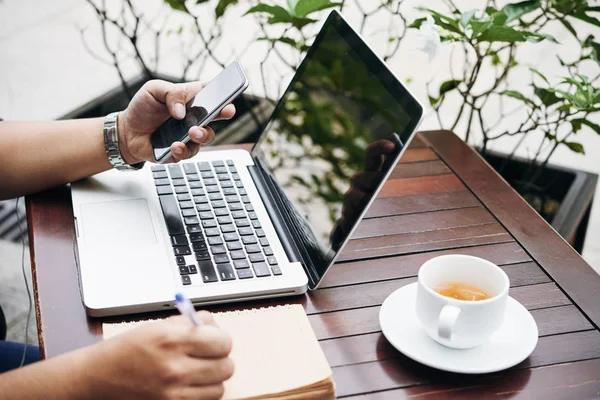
275 352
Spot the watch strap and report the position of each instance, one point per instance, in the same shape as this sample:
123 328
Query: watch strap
111 145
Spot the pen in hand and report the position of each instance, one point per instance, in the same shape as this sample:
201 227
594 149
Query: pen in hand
185 307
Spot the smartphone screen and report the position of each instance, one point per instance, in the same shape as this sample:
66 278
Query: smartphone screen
200 110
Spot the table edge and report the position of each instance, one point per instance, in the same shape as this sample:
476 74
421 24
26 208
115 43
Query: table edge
34 278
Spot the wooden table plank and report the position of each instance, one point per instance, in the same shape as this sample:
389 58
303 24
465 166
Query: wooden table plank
429 240
423 222
577 380
418 154
421 185
527 273
557 257
422 203
423 168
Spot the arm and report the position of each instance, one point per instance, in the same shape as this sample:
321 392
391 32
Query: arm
40 155
62 377
166 360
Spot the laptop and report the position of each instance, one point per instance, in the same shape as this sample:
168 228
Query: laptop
231 225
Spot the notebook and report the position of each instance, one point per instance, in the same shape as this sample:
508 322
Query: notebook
275 352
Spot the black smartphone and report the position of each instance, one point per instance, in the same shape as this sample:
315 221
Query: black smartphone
202 109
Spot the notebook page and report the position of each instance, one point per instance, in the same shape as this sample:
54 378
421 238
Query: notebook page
274 350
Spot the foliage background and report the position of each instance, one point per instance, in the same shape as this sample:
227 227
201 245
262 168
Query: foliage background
47 71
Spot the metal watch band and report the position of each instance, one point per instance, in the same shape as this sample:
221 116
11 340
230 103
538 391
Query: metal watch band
111 145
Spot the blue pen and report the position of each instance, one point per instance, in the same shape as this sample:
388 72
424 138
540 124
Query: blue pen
185 307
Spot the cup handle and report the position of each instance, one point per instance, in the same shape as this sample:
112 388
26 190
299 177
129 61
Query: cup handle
447 320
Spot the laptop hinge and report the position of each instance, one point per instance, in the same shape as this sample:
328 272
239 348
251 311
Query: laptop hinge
285 236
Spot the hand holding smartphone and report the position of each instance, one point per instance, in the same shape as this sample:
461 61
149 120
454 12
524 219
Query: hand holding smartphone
200 111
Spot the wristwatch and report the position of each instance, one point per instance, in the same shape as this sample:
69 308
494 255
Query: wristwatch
111 145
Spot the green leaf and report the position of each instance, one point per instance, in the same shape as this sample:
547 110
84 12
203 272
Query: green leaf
447 86
285 40
569 27
490 10
588 123
595 51
480 26
538 73
448 23
275 11
596 97
538 37
576 147
222 6
510 35
417 23
298 22
434 101
584 17
466 17
495 59
546 96
501 34
499 18
515 11
280 15
291 4
518 96
306 7
178 5
576 125
202 1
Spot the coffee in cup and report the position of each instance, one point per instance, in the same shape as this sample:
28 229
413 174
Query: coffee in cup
461 291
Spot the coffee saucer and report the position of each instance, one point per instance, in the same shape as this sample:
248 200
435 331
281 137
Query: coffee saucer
508 346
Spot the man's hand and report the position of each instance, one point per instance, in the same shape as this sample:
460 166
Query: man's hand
163 360
151 106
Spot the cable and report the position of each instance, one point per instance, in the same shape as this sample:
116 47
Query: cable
26 282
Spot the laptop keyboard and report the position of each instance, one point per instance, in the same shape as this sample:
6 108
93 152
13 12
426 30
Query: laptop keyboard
215 233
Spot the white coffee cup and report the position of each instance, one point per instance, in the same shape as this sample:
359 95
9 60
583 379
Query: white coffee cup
461 324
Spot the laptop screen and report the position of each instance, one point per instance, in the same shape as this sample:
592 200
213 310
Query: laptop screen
332 139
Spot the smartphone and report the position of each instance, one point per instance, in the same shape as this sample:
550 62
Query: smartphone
201 110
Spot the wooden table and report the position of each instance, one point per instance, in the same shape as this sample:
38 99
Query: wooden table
441 199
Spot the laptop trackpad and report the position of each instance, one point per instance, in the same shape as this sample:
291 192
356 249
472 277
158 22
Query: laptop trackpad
124 223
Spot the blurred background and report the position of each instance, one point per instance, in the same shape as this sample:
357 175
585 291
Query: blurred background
519 98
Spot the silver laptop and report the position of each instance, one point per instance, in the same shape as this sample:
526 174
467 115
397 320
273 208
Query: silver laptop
236 225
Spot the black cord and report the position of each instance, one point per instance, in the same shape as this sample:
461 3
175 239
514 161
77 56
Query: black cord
26 282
